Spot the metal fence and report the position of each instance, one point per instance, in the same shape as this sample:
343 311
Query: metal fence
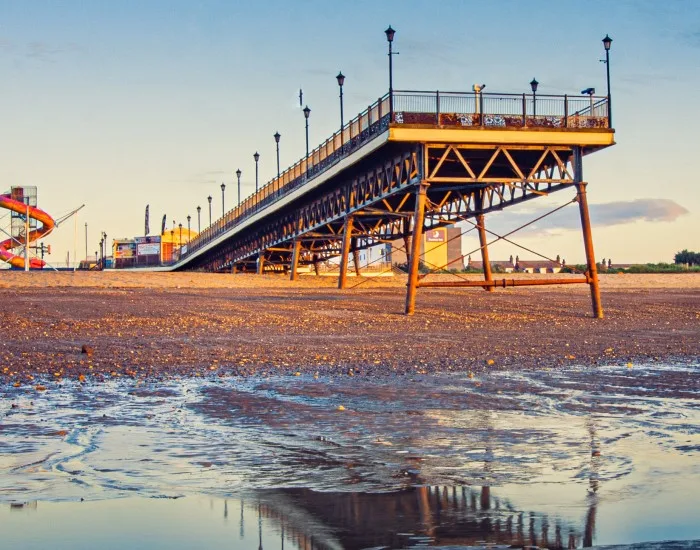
485 109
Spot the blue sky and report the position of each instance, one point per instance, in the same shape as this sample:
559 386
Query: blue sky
122 104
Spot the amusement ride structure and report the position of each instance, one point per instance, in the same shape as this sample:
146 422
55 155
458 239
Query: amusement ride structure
24 229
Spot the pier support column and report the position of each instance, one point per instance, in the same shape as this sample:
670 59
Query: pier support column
592 271
347 241
296 251
414 262
407 239
483 243
355 255
261 263
314 259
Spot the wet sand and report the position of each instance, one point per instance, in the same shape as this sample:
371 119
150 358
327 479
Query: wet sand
151 324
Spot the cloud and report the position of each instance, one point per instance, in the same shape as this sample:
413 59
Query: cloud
602 215
38 50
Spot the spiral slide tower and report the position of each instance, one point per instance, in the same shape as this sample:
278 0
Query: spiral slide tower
17 202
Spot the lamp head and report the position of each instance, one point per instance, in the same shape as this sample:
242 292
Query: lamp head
588 91
607 42
238 173
277 137
209 199
341 79
533 85
307 112
256 156
223 186
390 34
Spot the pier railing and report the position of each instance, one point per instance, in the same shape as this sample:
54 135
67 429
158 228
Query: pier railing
446 109
433 108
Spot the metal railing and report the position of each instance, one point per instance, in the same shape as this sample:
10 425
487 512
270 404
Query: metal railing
494 110
436 108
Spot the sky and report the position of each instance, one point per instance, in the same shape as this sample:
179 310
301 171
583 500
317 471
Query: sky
120 104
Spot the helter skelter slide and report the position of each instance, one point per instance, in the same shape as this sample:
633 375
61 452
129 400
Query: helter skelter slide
17 202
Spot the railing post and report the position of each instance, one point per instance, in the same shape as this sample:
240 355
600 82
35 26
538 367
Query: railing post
437 108
566 111
524 111
379 108
481 107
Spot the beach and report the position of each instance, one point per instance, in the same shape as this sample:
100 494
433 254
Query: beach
98 325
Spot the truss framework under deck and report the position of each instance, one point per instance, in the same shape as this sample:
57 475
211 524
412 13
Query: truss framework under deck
420 186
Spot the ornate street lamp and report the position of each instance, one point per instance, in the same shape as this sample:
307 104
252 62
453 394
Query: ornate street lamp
199 219
188 227
533 86
179 242
209 199
607 42
341 81
390 38
277 144
307 112
223 208
256 156
238 175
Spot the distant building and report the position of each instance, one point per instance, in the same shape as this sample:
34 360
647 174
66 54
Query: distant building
516 265
441 249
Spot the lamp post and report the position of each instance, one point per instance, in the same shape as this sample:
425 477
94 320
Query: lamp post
277 144
179 242
199 219
307 112
533 86
390 38
86 243
104 240
172 242
101 254
188 227
256 156
223 207
341 81
238 175
209 199
607 42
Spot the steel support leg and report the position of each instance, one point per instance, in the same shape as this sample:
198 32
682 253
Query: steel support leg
418 219
296 251
261 264
407 239
355 255
488 277
592 272
345 253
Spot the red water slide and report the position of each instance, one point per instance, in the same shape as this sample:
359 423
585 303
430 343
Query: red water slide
6 201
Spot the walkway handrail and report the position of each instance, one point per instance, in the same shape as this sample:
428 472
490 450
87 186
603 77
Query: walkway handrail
415 107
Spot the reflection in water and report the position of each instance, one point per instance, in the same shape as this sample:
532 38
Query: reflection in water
307 520
563 459
422 515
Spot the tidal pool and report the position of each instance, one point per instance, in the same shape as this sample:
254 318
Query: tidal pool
564 458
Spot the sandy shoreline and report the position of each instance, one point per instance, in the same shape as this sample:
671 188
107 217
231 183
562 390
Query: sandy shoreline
130 279
144 325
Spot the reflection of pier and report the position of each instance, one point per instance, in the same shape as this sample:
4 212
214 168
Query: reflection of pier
441 515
